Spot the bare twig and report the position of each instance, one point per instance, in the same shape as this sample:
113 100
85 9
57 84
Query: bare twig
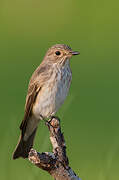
55 163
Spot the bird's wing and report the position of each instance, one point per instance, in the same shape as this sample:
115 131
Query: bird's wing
33 91
38 79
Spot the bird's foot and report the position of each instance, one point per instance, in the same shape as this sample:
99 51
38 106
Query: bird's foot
49 119
53 117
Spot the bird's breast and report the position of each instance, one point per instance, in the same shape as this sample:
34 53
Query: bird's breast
53 93
63 84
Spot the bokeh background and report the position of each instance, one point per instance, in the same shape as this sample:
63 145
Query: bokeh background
90 115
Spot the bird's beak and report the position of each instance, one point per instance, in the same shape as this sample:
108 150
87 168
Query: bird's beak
74 52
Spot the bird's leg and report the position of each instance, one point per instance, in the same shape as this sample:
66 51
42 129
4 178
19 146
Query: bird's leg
54 117
47 120
51 118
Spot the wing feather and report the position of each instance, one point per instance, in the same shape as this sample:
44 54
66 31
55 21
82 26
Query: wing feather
39 77
30 99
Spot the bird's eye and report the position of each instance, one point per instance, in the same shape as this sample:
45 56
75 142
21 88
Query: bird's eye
57 53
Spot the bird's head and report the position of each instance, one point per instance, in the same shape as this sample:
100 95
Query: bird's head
59 53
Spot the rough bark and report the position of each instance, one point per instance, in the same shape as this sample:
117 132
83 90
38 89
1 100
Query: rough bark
55 163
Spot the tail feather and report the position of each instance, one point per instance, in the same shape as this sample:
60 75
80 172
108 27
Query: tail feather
23 147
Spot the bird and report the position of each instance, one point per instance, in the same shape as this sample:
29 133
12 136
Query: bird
47 90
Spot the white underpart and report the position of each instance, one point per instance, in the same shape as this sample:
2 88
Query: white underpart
54 92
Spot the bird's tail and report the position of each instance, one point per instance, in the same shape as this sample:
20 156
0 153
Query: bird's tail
23 147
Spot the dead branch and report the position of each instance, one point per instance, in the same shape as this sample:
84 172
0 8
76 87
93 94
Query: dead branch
55 163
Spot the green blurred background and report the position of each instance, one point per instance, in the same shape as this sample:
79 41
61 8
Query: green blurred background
90 115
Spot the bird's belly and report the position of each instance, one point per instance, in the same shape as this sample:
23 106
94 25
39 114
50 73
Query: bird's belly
62 91
52 96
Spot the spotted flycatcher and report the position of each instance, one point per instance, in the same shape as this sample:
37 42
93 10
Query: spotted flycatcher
48 88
